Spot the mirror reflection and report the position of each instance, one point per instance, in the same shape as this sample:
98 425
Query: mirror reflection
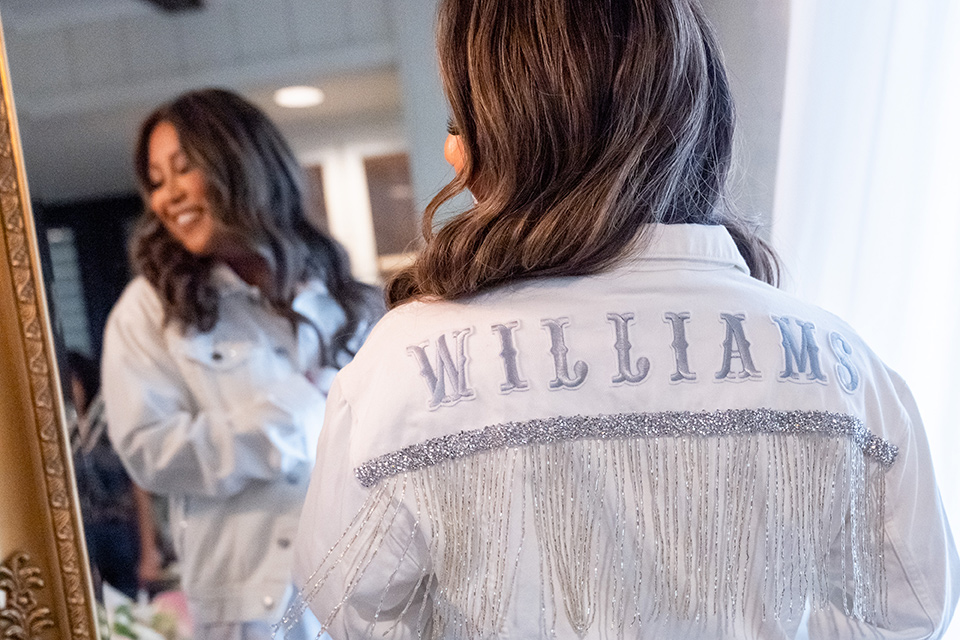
219 355
86 73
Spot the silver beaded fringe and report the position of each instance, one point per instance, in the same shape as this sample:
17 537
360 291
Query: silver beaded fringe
713 518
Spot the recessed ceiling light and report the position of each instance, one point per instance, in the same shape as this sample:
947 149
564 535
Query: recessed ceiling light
298 97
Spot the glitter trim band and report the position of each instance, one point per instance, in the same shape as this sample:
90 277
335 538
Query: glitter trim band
704 424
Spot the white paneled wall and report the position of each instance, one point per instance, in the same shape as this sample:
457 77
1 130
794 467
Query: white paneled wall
347 197
349 215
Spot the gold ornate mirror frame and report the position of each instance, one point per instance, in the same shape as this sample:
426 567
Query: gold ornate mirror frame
45 587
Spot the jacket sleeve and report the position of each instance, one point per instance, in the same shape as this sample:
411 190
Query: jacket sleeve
921 566
167 443
360 559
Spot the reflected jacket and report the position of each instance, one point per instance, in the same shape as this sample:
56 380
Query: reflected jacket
225 423
669 449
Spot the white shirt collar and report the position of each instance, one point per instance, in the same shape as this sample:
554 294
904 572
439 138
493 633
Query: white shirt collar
707 246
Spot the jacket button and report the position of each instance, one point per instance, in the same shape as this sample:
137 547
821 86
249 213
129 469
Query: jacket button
267 602
283 543
216 356
293 478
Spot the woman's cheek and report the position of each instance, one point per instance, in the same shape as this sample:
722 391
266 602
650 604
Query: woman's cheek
453 152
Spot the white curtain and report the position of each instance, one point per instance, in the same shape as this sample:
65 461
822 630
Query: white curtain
867 212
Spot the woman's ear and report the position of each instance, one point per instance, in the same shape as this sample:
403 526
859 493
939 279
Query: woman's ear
453 152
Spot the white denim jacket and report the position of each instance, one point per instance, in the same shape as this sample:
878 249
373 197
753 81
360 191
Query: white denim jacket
226 424
671 449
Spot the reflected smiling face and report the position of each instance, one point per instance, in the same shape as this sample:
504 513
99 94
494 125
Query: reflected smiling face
178 192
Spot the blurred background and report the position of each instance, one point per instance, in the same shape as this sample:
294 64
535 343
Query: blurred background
849 118
86 72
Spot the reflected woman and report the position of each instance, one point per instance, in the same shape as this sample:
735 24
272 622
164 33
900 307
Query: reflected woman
219 355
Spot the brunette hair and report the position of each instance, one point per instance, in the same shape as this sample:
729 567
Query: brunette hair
256 189
581 121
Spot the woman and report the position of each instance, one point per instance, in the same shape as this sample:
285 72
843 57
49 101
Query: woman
218 356
589 414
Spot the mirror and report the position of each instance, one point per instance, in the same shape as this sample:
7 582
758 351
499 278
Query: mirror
86 72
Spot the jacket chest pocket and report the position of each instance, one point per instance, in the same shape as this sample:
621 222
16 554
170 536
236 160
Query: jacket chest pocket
231 372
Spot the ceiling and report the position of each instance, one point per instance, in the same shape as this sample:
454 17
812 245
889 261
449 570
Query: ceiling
85 72
53 11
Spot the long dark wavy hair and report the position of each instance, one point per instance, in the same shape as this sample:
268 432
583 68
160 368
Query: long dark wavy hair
581 121
256 190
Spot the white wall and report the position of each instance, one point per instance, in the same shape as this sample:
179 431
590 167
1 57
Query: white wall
753 35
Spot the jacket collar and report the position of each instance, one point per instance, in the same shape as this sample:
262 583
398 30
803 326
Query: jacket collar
227 283
662 246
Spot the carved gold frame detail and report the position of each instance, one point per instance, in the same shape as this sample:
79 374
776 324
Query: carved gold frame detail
45 587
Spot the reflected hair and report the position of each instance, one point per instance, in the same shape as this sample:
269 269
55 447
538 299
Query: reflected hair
582 121
256 190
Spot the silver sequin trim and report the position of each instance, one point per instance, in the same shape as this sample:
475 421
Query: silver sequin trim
732 422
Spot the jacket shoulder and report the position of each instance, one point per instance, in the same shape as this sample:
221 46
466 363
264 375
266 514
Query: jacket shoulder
139 304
